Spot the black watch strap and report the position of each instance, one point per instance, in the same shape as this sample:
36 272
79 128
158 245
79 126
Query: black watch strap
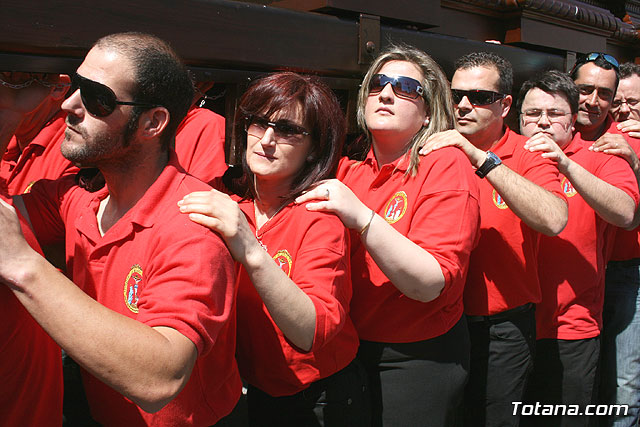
491 162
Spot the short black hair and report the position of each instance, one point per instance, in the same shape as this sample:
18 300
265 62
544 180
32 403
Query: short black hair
488 59
600 61
554 82
161 77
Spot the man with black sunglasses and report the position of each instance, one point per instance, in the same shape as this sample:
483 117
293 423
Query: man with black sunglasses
148 315
520 197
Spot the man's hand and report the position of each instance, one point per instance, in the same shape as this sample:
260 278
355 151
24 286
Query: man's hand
13 247
453 138
631 127
617 145
549 149
24 92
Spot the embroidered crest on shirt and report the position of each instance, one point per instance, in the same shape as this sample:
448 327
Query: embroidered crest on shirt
284 261
131 287
499 201
396 207
568 189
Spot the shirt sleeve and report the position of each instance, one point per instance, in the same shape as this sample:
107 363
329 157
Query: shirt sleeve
446 221
47 204
191 283
323 272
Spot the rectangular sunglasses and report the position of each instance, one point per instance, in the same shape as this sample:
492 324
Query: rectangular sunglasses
98 99
476 97
282 128
404 87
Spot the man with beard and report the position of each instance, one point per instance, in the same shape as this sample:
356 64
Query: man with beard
602 195
520 199
150 320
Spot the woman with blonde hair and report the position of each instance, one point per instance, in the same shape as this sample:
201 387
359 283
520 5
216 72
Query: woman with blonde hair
414 222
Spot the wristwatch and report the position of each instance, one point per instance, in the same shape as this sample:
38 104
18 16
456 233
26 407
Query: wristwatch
491 162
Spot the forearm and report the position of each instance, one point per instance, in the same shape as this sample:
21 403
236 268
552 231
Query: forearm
290 308
411 269
538 208
611 203
149 366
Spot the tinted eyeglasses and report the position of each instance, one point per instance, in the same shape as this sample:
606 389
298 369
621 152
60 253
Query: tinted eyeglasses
404 87
283 129
98 99
476 97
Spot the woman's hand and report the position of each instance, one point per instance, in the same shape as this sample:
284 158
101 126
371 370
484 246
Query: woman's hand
333 196
218 212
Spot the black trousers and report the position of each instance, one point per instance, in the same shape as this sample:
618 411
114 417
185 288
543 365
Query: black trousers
341 399
565 372
419 383
502 353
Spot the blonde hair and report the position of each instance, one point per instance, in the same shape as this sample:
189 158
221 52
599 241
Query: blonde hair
437 95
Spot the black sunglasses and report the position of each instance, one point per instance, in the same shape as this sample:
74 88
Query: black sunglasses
283 129
98 99
476 97
593 56
404 87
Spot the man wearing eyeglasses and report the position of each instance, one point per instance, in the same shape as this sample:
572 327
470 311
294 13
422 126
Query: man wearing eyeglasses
520 197
602 194
150 320
620 378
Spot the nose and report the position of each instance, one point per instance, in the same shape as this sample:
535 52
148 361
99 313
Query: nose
624 107
269 137
73 104
386 92
544 119
465 104
592 98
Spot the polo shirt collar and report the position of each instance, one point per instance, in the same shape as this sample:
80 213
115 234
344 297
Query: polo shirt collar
400 164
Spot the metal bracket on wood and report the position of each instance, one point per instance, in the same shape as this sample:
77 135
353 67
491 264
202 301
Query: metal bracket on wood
368 38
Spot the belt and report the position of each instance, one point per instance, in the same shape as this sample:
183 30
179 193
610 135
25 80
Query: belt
503 315
633 262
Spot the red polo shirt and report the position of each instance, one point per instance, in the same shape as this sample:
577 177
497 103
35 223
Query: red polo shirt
627 243
158 267
438 210
200 144
41 159
503 267
313 249
572 264
30 362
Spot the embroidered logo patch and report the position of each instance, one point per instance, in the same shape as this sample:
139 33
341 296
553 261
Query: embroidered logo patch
396 207
568 189
499 201
131 287
284 261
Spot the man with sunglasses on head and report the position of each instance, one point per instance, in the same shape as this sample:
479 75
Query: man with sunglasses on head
520 197
620 361
602 194
149 314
